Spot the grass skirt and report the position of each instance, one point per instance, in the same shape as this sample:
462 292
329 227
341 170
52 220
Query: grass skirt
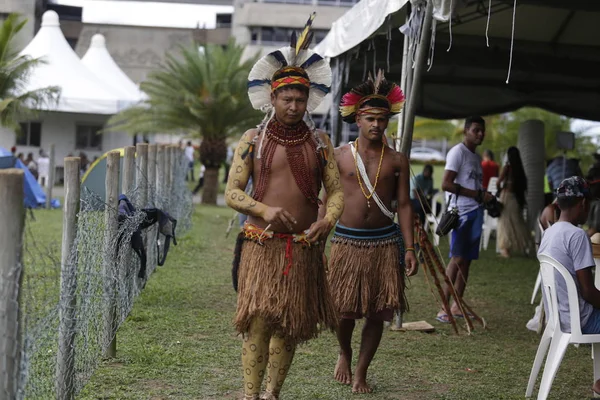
367 275
294 298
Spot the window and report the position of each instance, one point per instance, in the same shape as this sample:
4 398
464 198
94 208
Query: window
275 36
31 134
223 20
87 137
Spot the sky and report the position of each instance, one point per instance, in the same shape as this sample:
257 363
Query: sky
148 13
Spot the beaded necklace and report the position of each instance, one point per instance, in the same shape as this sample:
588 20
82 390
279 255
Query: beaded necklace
368 195
293 138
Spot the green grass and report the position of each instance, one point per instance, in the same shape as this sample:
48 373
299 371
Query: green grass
179 343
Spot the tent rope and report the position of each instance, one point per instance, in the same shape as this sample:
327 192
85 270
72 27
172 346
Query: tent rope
512 40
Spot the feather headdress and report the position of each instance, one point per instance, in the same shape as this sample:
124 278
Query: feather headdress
377 96
300 65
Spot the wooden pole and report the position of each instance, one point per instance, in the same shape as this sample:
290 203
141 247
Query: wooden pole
65 362
50 183
168 170
11 242
128 183
141 173
160 175
152 152
110 233
409 118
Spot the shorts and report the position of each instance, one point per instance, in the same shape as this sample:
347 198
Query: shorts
464 241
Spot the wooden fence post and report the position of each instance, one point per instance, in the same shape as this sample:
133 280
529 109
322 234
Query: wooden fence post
141 173
160 176
168 169
51 174
152 151
128 181
111 228
11 242
65 363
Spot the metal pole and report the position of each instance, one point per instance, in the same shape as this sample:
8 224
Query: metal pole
403 82
50 183
11 241
128 183
110 233
65 363
409 121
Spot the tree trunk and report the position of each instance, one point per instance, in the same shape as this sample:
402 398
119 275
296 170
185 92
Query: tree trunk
211 186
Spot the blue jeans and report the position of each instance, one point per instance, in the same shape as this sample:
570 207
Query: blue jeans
592 325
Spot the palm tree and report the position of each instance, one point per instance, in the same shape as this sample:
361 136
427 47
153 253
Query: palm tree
17 103
200 94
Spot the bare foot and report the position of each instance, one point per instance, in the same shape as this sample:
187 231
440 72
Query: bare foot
342 372
360 386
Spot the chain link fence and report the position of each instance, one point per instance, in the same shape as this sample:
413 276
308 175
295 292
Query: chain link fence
62 300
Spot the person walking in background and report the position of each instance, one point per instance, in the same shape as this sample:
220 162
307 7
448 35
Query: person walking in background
31 165
560 168
200 179
227 163
513 233
189 155
43 169
463 181
489 167
421 192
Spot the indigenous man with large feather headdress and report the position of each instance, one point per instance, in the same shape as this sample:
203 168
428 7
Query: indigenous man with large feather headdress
370 254
279 272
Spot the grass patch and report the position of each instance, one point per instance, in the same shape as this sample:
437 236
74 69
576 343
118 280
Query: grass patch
179 343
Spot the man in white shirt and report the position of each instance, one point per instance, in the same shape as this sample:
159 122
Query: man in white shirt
463 183
43 164
189 155
570 245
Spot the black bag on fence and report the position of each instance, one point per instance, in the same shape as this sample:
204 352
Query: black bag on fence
166 227
449 219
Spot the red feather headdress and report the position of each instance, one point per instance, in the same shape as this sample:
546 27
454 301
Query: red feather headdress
389 95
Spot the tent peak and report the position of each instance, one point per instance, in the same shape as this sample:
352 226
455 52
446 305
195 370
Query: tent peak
98 40
50 18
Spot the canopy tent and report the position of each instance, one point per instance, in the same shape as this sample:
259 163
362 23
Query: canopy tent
93 181
34 195
555 54
98 60
81 90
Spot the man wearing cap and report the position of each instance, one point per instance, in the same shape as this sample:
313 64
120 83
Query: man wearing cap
568 244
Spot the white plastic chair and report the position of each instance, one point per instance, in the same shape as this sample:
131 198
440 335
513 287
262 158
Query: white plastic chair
431 219
538 280
489 224
553 337
493 185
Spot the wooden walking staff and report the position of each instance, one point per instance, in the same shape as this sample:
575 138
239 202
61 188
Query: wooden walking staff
434 265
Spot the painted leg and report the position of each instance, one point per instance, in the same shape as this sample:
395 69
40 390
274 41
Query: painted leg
255 352
281 353
371 336
343 368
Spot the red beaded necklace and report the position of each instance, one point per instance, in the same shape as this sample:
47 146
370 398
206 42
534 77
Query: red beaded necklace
293 138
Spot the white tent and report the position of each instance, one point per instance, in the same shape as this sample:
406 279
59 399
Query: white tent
98 60
552 47
81 90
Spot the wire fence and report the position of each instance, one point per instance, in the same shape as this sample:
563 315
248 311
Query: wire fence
62 299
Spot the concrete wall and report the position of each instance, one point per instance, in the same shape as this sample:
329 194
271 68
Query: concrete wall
136 49
59 129
214 36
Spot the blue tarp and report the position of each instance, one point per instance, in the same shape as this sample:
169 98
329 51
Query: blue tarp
34 194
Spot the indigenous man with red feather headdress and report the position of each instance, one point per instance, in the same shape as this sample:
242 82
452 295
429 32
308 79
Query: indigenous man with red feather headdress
283 296
370 255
